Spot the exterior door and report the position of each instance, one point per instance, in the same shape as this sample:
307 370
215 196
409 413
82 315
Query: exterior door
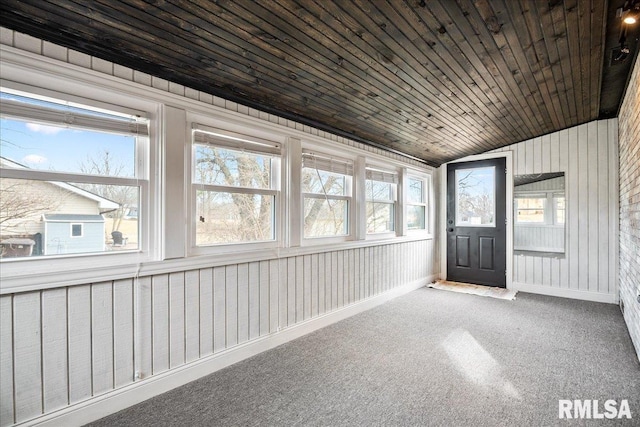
476 217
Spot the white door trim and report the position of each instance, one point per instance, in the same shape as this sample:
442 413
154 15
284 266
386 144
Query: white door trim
508 155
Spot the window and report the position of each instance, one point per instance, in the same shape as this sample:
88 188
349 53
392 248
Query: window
235 184
559 203
540 209
76 230
531 209
475 197
416 204
380 194
63 162
326 193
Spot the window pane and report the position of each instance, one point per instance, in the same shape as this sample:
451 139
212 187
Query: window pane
530 210
380 218
475 196
321 182
380 191
222 166
223 217
57 218
63 149
415 217
416 190
325 217
560 209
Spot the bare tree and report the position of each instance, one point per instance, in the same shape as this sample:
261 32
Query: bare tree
104 164
20 204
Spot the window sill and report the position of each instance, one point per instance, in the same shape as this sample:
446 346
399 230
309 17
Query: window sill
85 270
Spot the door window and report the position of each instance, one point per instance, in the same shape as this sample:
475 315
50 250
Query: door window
475 197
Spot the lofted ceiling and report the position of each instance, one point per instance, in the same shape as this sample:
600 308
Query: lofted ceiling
435 79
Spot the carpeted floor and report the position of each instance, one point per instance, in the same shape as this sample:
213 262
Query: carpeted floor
429 358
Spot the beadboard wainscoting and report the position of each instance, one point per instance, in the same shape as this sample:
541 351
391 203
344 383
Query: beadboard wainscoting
66 348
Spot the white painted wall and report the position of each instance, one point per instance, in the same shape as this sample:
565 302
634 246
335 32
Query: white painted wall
588 155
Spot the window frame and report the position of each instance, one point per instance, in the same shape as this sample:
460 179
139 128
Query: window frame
383 173
91 98
236 142
81 230
426 194
348 195
550 209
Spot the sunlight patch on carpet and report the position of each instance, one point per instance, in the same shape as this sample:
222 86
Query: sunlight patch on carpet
468 288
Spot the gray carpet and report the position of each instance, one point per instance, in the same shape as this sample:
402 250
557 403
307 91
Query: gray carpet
429 358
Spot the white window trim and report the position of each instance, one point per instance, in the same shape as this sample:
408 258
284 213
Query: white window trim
165 217
550 207
428 203
398 207
39 76
71 230
234 141
348 197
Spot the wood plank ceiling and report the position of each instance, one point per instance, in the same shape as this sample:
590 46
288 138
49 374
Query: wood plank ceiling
436 79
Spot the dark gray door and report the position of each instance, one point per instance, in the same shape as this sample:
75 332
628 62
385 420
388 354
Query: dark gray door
476 216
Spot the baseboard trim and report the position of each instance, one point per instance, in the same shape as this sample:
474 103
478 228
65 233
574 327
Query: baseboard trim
117 400
565 293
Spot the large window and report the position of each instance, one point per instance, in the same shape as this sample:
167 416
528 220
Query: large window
326 193
235 184
70 173
380 191
416 203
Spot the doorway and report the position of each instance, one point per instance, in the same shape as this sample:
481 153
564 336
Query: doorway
476 217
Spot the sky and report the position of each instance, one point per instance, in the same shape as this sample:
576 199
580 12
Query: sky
61 149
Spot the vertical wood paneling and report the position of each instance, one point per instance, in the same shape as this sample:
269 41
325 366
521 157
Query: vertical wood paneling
160 322
79 336
603 202
151 324
144 330
274 295
243 303
176 319
584 154
27 355
6 360
231 282
192 315
54 348
123 369
298 278
322 289
307 288
206 311
219 308
592 217
583 206
283 297
315 293
265 303
290 280
102 337
254 300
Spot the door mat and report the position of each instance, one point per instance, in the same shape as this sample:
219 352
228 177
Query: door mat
468 288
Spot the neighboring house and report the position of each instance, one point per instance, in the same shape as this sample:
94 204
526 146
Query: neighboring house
59 218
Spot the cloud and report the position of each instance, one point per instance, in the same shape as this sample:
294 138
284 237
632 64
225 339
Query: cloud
34 159
47 130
